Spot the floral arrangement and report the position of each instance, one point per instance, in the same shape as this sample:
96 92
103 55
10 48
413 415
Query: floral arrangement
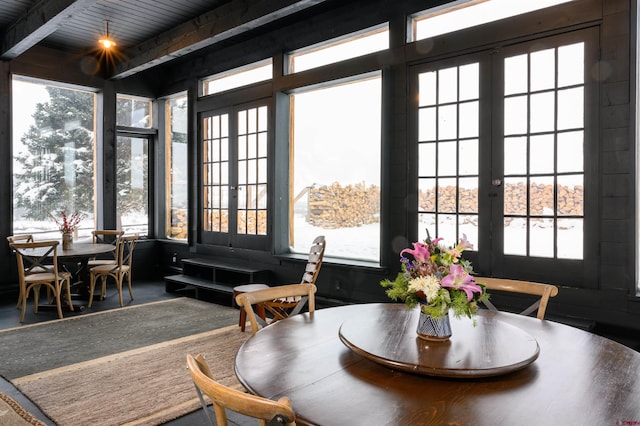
68 223
437 278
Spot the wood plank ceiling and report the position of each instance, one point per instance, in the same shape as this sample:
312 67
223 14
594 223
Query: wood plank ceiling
147 32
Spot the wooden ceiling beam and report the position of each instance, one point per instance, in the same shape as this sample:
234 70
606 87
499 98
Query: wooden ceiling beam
231 19
40 21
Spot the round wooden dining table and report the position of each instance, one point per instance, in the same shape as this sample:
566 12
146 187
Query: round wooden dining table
578 378
79 254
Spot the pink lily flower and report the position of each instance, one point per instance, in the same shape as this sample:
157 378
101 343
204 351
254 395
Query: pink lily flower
420 252
459 279
464 244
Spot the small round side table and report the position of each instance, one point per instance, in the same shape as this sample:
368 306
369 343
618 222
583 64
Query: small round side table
259 307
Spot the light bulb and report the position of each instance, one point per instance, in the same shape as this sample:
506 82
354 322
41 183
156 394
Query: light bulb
106 43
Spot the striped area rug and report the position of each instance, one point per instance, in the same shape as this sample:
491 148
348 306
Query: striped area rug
13 414
142 385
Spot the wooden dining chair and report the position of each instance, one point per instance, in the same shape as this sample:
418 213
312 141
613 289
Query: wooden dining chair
544 291
106 236
222 397
303 293
281 308
33 272
26 238
119 271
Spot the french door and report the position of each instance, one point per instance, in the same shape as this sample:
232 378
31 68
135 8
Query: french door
503 143
234 176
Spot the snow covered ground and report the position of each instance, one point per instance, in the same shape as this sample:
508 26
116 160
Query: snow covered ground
363 242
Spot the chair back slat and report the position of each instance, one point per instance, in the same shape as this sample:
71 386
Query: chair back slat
108 236
126 244
26 238
223 397
303 294
36 256
545 291
314 262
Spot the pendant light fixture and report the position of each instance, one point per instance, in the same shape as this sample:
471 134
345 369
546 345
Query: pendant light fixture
106 42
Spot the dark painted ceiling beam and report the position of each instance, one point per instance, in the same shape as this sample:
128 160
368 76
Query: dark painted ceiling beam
235 17
40 21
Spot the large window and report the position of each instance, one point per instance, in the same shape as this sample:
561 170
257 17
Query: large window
176 167
339 49
53 155
543 174
235 187
459 15
544 138
132 183
448 132
501 143
133 111
235 160
132 163
238 77
335 153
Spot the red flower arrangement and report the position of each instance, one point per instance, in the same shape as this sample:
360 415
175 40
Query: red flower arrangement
68 223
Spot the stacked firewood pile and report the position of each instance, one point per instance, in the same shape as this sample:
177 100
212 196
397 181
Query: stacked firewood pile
447 200
336 206
249 222
570 200
255 222
178 224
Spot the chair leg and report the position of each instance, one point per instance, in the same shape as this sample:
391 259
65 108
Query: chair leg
243 318
66 286
119 278
128 274
92 286
49 299
36 297
260 311
20 297
58 302
24 304
103 291
242 321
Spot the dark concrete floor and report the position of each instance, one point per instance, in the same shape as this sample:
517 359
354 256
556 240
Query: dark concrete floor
143 292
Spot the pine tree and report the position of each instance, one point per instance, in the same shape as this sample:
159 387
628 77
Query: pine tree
57 170
57 163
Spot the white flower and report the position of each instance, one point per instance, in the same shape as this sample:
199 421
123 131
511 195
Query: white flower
429 285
